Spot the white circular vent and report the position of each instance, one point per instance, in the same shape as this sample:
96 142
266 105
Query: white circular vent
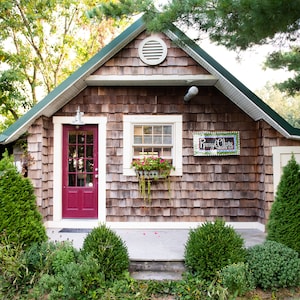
152 51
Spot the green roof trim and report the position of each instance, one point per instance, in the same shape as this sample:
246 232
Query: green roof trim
137 25
238 84
20 126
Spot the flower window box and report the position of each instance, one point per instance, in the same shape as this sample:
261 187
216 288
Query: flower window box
149 169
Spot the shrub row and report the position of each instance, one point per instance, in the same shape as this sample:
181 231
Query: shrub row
216 260
215 250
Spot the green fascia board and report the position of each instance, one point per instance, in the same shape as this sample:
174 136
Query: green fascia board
239 85
86 67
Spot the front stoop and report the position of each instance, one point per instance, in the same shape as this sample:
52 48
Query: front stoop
156 270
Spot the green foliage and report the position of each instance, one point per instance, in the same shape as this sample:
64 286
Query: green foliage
211 247
237 278
74 280
234 24
49 258
13 270
20 220
37 52
283 225
109 250
287 107
274 265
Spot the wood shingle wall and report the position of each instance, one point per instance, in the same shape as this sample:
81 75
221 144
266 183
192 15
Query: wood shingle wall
238 188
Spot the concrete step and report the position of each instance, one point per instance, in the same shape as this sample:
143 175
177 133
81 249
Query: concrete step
156 270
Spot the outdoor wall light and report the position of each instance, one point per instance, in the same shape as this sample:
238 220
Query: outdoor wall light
192 92
77 120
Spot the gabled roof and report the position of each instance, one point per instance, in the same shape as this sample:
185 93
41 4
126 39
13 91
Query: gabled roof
230 86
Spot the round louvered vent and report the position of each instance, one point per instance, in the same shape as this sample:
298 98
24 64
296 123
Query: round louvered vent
152 51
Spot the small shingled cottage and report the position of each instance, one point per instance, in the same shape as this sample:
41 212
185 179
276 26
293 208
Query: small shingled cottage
153 95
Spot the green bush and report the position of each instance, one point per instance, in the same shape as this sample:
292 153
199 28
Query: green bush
211 247
20 220
109 250
237 278
13 270
49 257
75 280
274 265
283 225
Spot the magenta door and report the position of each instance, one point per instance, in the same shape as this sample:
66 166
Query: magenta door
80 172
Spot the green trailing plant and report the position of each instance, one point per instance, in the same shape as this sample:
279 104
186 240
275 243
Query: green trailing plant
20 219
211 247
237 278
274 265
283 224
109 250
149 169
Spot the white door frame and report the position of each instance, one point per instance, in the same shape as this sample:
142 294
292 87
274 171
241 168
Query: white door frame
58 221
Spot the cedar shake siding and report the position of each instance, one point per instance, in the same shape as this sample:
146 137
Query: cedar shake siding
238 188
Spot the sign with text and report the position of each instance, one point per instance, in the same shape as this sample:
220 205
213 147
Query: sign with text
209 143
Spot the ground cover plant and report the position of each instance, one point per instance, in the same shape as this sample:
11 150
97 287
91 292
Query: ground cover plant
274 265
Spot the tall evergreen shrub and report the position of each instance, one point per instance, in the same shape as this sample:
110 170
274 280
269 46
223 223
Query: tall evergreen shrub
20 221
283 225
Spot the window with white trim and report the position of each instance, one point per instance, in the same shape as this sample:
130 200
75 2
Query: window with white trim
147 134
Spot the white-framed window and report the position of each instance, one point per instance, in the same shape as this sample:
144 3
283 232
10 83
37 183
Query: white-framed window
159 134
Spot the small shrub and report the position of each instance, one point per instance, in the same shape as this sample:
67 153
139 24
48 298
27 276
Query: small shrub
13 270
211 247
237 278
75 280
64 254
109 250
20 219
38 257
274 265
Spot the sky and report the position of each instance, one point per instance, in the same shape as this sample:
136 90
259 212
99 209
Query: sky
249 67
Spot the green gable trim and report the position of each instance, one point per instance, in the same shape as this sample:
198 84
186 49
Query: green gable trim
20 126
239 85
72 79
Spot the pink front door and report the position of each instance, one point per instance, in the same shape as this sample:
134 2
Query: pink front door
80 172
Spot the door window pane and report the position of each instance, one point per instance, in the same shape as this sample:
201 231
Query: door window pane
80 158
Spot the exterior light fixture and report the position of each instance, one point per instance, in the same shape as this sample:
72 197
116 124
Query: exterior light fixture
77 120
192 92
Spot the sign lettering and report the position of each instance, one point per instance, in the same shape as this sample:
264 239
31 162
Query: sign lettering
216 143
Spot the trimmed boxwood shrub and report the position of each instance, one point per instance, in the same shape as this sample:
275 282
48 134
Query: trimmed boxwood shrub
274 265
211 247
283 225
109 250
20 222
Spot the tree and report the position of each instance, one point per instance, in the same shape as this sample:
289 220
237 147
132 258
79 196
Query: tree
286 106
237 24
283 224
41 43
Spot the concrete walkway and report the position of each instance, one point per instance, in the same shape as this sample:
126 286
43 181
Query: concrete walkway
148 244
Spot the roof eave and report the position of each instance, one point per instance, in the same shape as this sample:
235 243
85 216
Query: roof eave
231 87
73 85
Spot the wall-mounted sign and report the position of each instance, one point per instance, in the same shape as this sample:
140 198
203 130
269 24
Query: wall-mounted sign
208 143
